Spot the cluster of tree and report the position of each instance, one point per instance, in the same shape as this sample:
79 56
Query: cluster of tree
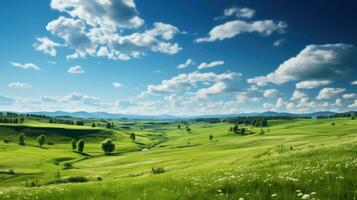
339 115
37 116
65 121
249 121
235 129
77 146
110 125
12 120
209 120
132 136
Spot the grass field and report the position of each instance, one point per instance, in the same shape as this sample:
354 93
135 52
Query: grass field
294 159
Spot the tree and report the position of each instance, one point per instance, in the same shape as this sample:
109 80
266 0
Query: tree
80 145
74 144
41 140
211 137
108 146
179 126
93 125
242 131
22 139
132 136
108 126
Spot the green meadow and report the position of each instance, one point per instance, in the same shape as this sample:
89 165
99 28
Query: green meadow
289 159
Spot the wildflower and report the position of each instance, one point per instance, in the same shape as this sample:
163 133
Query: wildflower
299 194
274 195
241 198
313 193
305 196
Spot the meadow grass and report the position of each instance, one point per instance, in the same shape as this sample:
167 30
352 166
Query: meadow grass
295 159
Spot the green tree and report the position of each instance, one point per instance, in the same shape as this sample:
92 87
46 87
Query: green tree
132 136
22 139
74 144
41 140
242 131
80 145
211 137
108 146
93 125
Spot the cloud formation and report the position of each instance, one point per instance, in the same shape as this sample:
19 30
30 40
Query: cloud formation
19 85
76 70
315 62
311 84
211 64
188 63
46 46
25 65
233 28
328 93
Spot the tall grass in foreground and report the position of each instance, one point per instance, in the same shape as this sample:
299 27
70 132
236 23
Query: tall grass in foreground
327 173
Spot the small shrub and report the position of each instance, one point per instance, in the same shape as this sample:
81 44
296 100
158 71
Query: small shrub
211 137
99 178
80 145
32 183
108 146
157 170
333 123
50 143
77 179
6 141
67 165
41 140
22 139
11 171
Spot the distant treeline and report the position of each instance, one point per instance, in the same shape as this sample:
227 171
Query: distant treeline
339 115
22 115
65 121
12 120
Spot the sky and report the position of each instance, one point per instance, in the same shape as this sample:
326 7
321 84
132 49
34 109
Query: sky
178 57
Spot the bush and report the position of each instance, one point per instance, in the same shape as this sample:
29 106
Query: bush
50 143
211 137
32 183
108 146
74 144
41 140
157 170
11 171
99 178
67 165
22 139
80 145
77 179
132 136
6 141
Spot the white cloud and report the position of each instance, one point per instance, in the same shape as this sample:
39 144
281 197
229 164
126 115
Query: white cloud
220 83
19 85
311 84
81 98
353 105
25 65
315 62
297 95
271 93
108 28
354 82
233 28
280 103
117 85
279 42
238 12
328 93
188 62
46 46
349 96
52 62
76 70
211 64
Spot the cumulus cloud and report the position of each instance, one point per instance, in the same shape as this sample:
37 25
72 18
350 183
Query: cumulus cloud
81 98
279 42
76 70
25 65
311 84
107 28
211 64
225 82
271 93
328 93
5 100
233 28
297 95
349 96
315 62
46 46
354 82
188 62
19 85
353 105
117 85
238 12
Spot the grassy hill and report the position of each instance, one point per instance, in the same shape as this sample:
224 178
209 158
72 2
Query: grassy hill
293 159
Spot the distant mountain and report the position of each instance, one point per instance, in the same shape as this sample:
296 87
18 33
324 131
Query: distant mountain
105 115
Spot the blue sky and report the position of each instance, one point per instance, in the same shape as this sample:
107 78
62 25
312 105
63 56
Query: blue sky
178 57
